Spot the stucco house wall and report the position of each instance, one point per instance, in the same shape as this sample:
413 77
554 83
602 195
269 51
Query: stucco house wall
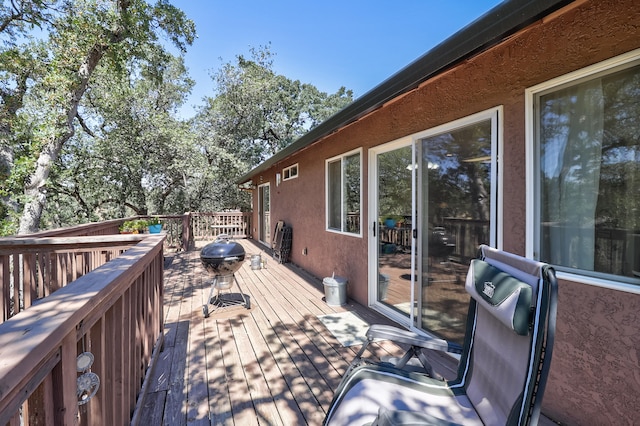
595 376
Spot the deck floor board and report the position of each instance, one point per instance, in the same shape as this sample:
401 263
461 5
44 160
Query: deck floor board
272 364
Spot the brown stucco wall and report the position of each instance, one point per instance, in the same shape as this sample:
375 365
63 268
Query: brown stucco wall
595 373
300 202
595 376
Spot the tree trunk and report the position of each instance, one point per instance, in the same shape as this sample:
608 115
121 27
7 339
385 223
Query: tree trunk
35 190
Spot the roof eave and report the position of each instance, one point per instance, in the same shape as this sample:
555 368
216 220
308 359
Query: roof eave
491 28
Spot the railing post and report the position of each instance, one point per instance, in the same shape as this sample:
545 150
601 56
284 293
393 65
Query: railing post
187 238
65 399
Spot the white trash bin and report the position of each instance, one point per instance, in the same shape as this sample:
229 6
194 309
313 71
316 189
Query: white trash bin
335 290
256 262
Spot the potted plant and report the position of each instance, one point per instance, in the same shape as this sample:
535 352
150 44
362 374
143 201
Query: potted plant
133 226
126 227
154 224
393 220
390 221
139 226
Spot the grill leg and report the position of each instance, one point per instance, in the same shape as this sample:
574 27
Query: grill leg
247 302
213 287
220 301
205 307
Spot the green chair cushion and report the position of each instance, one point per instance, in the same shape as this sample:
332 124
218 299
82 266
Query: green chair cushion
504 296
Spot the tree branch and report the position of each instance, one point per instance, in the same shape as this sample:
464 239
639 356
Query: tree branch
84 126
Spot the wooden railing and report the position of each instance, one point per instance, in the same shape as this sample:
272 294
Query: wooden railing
206 226
109 227
399 236
172 226
181 231
113 312
466 235
87 289
33 268
616 250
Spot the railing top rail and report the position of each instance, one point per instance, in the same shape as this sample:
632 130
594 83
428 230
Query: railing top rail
10 245
32 337
221 213
97 239
92 227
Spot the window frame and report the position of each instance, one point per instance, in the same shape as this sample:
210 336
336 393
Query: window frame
342 158
532 95
289 169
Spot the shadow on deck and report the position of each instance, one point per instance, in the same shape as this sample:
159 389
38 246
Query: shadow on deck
275 363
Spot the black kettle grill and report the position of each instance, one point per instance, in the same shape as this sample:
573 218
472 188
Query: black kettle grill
222 259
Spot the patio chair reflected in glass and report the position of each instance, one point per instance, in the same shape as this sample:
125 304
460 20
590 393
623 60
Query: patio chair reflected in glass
504 361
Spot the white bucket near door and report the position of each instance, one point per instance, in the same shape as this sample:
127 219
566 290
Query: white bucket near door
256 262
335 290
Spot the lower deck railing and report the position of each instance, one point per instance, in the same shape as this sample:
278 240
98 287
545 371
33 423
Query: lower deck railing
80 354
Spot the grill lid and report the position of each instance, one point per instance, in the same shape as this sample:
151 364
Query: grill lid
221 249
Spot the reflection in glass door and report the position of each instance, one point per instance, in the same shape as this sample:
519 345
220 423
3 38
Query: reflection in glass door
393 224
456 207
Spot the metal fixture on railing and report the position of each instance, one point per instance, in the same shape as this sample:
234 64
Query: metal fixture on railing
87 383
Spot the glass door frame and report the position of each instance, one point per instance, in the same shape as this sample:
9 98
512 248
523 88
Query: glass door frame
264 227
496 203
374 234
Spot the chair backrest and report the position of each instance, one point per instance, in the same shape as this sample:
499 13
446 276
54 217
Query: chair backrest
509 339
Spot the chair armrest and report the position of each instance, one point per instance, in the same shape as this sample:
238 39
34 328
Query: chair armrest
395 334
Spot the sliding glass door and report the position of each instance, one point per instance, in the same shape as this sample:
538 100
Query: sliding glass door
264 213
393 225
448 177
457 204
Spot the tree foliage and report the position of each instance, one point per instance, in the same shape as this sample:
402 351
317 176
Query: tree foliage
255 113
85 35
88 121
129 157
19 16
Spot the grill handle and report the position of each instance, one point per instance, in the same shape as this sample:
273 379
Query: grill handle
231 259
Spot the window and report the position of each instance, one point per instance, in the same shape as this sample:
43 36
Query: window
290 172
587 154
344 183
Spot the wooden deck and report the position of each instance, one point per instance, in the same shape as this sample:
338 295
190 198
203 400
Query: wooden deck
272 364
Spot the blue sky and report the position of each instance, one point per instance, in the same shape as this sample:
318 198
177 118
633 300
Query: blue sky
328 43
